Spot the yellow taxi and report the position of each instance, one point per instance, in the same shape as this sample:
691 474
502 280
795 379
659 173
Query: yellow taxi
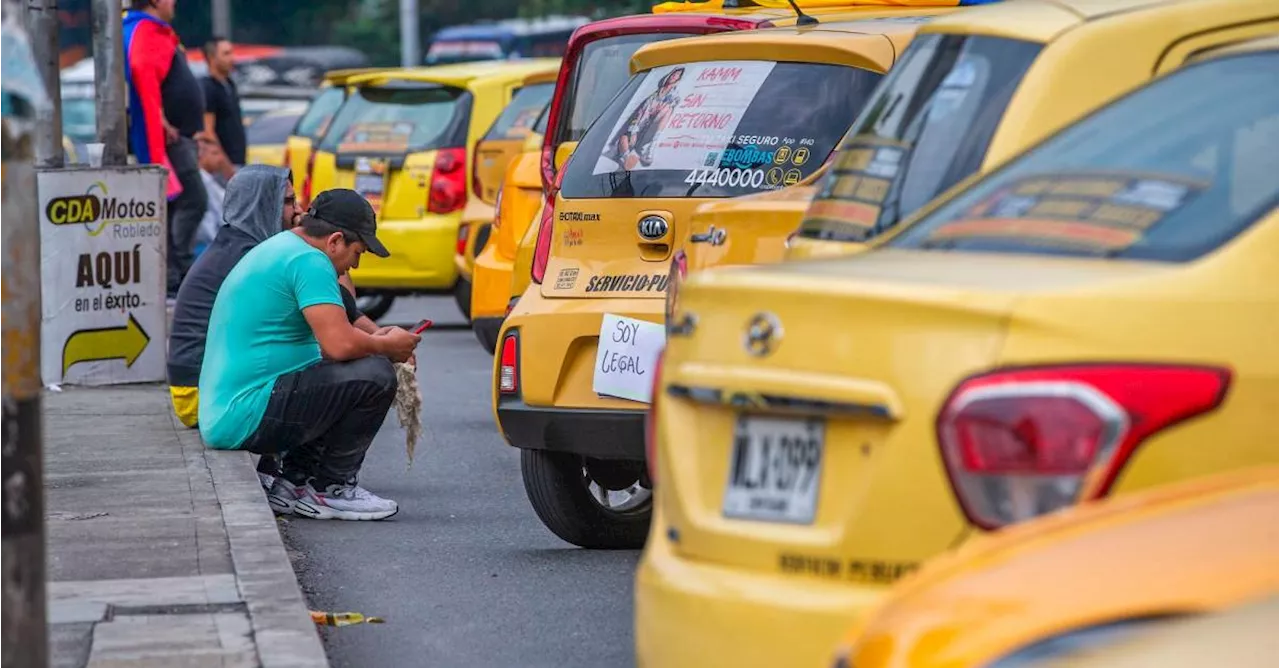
596 67
510 139
703 117
981 85
312 125
517 204
267 137
403 140
1083 580
1079 323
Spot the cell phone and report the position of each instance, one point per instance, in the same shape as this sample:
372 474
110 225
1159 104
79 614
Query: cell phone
422 326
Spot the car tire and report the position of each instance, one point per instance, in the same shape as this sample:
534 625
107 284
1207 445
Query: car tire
554 482
462 295
375 304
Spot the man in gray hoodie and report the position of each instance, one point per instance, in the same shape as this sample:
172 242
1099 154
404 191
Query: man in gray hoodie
260 202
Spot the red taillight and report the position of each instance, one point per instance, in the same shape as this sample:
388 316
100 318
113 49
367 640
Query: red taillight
1020 443
542 252
651 423
448 181
461 246
477 187
306 180
508 374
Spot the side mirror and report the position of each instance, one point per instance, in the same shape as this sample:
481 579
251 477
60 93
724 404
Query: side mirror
563 151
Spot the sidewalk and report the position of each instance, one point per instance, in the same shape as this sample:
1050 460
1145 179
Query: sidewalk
160 551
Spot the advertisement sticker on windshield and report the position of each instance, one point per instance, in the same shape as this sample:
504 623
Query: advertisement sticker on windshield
683 117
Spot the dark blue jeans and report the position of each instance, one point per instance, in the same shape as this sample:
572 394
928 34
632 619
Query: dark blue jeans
324 417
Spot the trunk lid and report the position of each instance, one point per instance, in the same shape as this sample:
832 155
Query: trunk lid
863 353
746 230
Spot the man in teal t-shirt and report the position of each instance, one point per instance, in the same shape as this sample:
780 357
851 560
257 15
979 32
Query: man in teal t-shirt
285 371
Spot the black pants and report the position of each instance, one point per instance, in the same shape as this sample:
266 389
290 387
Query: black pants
324 418
186 211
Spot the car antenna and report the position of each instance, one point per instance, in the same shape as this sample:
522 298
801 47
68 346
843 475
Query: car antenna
802 19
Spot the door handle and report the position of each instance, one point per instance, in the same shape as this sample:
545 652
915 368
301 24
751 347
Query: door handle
713 236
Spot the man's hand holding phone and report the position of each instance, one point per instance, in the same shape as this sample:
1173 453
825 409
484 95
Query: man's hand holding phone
398 342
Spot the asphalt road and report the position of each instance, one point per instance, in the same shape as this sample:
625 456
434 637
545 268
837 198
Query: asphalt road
465 574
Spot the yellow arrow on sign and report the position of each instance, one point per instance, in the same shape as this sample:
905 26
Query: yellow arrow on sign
111 343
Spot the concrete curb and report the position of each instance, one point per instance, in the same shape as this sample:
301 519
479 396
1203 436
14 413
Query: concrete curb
283 631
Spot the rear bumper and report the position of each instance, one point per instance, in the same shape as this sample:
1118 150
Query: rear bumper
486 329
690 613
606 434
422 252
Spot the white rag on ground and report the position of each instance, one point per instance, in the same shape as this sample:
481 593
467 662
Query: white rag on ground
408 406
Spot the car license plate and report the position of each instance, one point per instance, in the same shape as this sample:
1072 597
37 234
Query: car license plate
775 469
369 184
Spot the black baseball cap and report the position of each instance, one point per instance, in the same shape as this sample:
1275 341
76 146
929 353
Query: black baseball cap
348 211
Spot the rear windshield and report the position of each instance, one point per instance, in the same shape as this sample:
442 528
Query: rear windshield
464 51
270 129
317 116
602 70
717 129
540 126
1168 173
927 127
395 119
520 115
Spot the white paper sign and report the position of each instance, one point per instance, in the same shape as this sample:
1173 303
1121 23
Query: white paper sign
626 356
683 116
102 273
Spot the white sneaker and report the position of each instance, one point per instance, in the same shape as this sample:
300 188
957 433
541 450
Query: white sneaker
284 495
267 480
343 502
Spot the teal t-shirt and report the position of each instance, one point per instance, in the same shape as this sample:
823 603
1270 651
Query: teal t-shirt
257 333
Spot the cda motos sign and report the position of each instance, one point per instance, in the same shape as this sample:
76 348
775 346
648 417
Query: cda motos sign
102 270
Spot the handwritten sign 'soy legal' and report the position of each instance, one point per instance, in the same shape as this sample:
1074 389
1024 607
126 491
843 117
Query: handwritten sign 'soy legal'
626 356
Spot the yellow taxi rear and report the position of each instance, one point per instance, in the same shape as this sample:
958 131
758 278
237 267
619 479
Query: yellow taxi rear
1079 323
1026 597
702 118
402 141
506 142
518 202
981 85
312 125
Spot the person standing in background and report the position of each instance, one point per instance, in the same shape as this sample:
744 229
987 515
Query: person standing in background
222 121
166 112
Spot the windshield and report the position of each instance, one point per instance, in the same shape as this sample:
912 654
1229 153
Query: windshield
272 129
927 127
395 119
602 70
522 113
317 116
1168 173
717 129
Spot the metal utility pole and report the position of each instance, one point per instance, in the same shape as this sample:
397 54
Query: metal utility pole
42 30
25 637
222 18
108 78
410 46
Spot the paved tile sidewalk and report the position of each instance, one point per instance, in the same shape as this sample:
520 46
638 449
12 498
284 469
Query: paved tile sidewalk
160 551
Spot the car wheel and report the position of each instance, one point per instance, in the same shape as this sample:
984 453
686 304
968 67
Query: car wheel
462 295
574 505
375 304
